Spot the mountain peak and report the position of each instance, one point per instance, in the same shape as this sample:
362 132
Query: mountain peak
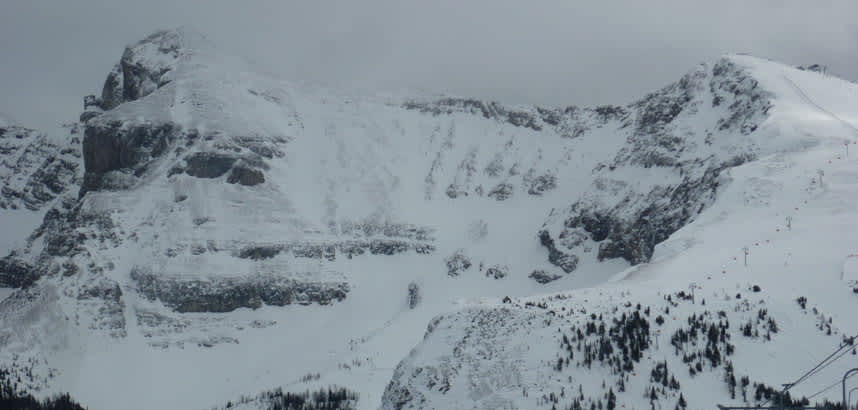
182 37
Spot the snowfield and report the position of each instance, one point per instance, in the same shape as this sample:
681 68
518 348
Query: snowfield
228 234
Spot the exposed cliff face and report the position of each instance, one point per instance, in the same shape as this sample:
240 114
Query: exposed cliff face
725 158
626 219
146 66
36 168
220 295
114 153
36 171
569 122
15 273
118 150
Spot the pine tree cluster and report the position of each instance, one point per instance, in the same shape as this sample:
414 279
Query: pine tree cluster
715 334
620 344
332 398
763 322
12 399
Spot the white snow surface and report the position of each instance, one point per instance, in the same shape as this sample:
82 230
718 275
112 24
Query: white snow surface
356 158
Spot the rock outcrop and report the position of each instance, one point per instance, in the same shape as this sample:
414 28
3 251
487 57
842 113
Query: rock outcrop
457 263
624 220
114 153
145 66
542 276
36 168
218 295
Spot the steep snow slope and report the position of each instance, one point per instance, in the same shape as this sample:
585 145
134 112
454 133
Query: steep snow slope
234 233
795 227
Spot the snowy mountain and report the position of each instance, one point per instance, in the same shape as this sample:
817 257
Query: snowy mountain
229 236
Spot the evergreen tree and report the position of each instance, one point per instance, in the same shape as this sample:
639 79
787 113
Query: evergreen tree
612 400
681 404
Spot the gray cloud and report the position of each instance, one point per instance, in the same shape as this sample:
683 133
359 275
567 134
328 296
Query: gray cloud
551 52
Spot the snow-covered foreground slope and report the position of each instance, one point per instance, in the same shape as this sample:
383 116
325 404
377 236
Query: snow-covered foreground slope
234 233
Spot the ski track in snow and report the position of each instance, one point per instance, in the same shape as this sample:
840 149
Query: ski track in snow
807 99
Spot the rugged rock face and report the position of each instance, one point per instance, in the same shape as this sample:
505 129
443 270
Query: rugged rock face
663 134
36 171
627 221
120 145
817 68
15 273
570 122
68 225
501 191
328 250
227 294
36 168
114 153
68 231
209 164
413 295
457 263
118 149
541 183
497 271
565 261
542 277
246 176
216 164
490 110
144 67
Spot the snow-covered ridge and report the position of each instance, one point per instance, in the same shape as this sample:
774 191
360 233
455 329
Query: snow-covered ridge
224 213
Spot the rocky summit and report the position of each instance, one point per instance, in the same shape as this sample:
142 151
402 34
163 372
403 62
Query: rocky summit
220 238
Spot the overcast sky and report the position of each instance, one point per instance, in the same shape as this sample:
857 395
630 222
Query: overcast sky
553 52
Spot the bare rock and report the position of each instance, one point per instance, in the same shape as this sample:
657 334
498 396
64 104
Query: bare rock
209 164
542 277
245 176
457 263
